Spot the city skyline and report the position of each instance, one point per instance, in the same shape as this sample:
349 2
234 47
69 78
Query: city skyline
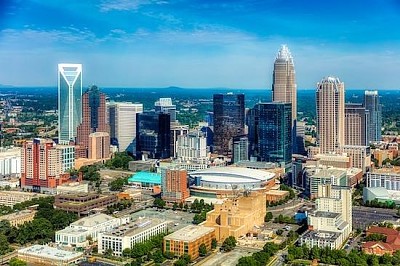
200 44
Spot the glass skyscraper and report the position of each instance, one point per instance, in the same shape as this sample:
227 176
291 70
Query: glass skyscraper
69 101
153 135
271 133
371 103
228 120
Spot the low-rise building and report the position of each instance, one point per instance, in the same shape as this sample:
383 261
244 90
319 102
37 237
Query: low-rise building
321 239
77 233
10 198
83 204
275 195
389 246
388 178
187 240
19 218
45 255
126 236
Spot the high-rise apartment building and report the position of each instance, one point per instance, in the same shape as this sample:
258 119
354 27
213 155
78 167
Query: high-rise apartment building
371 103
356 124
69 101
330 114
240 148
228 120
94 117
174 185
42 166
271 133
153 135
192 147
122 120
176 131
164 105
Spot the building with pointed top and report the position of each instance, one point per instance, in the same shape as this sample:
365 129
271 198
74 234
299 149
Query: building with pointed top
69 101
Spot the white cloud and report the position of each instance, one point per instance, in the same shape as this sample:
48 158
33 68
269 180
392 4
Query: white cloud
126 5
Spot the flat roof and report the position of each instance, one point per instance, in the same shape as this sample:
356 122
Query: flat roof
325 214
145 177
326 235
189 233
93 220
135 227
17 214
49 252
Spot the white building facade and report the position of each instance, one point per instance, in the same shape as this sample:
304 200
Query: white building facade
10 162
126 236
77 233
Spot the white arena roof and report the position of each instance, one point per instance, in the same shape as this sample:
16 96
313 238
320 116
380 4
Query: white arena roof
233 175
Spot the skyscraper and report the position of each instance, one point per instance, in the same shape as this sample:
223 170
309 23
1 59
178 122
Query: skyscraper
356 124
93 117
371 103
330 114
69 101
271 134
122 119
284 89
228 120
153 135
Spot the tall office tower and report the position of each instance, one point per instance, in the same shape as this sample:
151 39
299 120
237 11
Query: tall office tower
371 103
192 147
164 105
356 124
284 87
153 135
228 120
94 117
122 119
240 148
174 185
69 101
330 114
42 166
271 133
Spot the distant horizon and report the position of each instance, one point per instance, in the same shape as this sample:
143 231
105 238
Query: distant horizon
183 88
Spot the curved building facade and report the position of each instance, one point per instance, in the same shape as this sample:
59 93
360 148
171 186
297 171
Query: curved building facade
224 181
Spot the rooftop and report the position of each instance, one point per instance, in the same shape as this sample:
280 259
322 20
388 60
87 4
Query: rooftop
93 220
49 252
323 235
325 214
17 215
145 177
135 227
189 233
233 175
330 172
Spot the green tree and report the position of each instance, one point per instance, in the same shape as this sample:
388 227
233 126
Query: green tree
229 243
17 262
126 252
4 245
175 206
158 256
159 203
268 217
108 252
202 250
247 261
214 243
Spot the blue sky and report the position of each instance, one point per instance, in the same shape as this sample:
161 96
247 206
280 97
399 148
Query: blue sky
200 43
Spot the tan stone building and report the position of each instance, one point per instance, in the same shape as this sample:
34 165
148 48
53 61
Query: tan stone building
19 218
237 216
10 198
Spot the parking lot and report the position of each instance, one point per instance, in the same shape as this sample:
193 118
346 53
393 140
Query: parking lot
179 219
365 216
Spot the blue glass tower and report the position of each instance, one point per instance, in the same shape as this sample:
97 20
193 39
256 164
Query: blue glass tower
270 133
